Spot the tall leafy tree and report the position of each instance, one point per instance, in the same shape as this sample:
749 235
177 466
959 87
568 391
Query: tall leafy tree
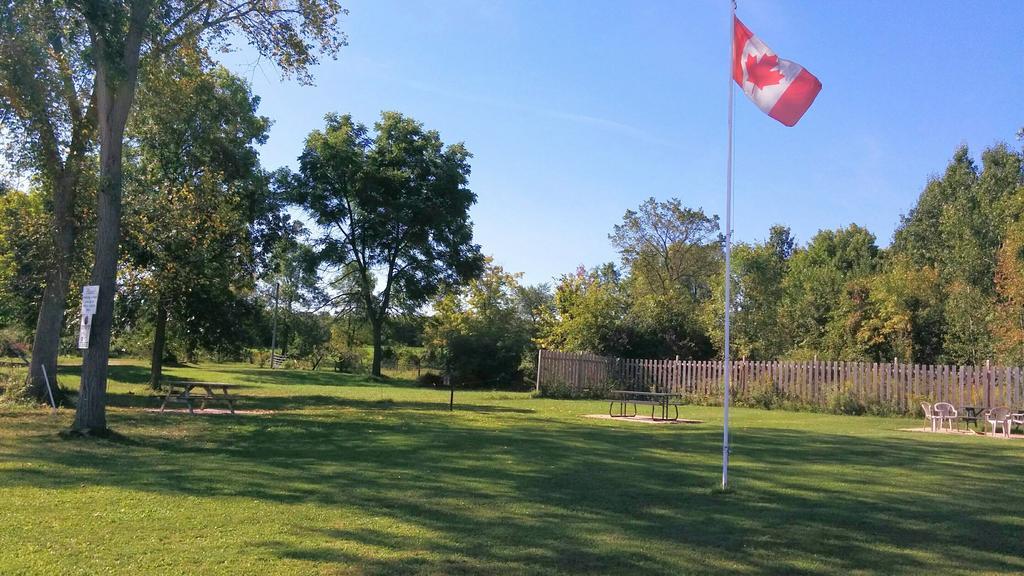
896 313
293 281
668 247
1008 325
48 116
758 274
672 254
973 228
392 205
957 227
919 236
817 282
350 315
192 171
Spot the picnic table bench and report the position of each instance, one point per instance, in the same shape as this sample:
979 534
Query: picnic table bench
183 392
655 400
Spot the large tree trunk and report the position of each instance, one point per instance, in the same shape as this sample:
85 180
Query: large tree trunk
114 95
50 321
159 342
46 344
91 415
115 83
378 347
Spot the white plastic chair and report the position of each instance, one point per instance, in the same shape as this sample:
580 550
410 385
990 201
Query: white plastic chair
944 412
930 415
1017 418
999 416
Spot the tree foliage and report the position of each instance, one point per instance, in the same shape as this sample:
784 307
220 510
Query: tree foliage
25 247
669 248
192 173
393 205
589 313
1008 324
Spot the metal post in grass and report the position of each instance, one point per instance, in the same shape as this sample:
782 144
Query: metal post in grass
451 389
728 254
273 331
49 390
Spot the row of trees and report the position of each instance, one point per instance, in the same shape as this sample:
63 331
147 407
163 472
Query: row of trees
948 289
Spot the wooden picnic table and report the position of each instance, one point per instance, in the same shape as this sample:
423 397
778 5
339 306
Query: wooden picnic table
655 400
182 392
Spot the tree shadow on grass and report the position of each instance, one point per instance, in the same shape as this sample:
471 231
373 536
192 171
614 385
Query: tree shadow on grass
293 402
561 496
280 377
139 375
126 373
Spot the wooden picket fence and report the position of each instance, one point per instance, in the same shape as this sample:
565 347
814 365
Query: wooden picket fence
898 385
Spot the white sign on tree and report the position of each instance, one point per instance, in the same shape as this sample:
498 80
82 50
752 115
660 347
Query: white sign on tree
90 294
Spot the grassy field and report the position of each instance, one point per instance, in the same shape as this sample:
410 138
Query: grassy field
354 477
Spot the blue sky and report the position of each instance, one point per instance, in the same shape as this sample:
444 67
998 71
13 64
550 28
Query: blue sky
576 111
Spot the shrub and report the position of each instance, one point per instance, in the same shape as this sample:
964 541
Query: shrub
430 379
350 361
885 408
483 361
411 359
702 399
259 357
914 406
12 387
763 393
843 400
560 389
12 343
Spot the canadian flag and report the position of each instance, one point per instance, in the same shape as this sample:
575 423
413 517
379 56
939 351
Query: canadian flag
781 88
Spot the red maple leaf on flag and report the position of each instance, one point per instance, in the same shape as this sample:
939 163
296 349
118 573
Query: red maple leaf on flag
763 72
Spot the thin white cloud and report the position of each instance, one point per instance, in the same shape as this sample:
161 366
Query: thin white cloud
597 122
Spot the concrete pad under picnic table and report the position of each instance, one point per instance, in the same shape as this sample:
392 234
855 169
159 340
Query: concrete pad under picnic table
964 433
640 419
210 411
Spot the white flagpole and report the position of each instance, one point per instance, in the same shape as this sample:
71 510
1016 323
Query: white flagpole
728 256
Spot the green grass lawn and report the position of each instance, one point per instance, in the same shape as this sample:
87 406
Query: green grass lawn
355 477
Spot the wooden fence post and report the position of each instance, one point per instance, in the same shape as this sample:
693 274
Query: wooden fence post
540 355
988 385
